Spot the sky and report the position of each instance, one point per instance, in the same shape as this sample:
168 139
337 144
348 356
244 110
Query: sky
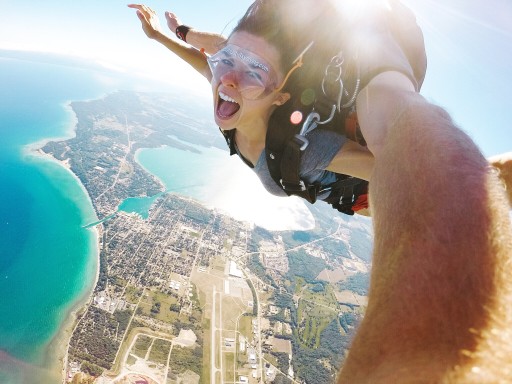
468 42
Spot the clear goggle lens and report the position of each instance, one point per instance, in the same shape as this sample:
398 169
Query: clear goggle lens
254 78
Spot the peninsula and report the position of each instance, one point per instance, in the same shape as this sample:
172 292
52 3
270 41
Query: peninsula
189 294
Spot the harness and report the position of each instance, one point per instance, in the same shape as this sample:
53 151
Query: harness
333 106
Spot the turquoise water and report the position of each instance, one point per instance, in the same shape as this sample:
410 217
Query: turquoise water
139 205
47 259
164 163
48 255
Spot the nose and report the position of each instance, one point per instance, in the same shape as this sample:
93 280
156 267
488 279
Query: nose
230 79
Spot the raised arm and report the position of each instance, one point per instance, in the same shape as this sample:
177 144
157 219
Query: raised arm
440 291
210 42
151 27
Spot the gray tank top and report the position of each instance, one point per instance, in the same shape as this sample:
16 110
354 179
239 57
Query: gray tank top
323 146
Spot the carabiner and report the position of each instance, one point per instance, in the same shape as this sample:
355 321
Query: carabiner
310 123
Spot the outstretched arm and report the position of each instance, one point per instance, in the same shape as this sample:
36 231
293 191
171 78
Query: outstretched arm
438 308
210 42
151 27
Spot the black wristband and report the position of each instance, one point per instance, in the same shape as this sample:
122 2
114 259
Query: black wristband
181 32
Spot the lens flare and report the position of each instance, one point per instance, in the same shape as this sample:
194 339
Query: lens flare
307 97
296 117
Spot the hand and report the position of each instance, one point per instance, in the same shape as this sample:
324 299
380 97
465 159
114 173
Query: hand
503 163
149 20
172 21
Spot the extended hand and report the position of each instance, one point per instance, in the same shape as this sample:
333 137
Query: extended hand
172 21
149 20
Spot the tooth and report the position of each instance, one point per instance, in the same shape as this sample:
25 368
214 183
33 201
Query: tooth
226 98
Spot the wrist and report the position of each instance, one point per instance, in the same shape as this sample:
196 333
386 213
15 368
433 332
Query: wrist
160 37
182 31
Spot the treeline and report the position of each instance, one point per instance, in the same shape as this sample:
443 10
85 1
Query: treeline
183 359
358 283
255 266
103 273
254 297
258 235
303 265
96 342
310 365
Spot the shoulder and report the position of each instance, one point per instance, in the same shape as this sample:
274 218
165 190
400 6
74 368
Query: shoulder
380 103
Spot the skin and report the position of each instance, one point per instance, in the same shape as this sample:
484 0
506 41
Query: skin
503 164
252 118
439 284
440 290
210 42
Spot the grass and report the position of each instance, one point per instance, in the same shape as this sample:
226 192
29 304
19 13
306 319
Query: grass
245 326
141 346
160 351
205 373
271 359
132 294
130 360
229 366
314 313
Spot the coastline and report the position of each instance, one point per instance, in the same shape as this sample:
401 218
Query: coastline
57 351
55 356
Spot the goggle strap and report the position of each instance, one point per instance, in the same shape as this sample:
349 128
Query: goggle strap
297 64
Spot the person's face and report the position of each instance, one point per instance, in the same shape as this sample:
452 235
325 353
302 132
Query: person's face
245 76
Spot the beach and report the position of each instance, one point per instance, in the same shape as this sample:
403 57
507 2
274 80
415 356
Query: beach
55 355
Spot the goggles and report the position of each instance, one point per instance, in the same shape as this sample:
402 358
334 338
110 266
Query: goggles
254 77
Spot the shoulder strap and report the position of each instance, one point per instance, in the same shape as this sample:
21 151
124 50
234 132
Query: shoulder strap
229 136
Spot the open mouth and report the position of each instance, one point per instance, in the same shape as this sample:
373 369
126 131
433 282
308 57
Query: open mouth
226 106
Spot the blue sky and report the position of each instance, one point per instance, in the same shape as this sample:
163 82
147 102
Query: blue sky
469 47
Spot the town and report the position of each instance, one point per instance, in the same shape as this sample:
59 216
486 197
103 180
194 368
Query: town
191 295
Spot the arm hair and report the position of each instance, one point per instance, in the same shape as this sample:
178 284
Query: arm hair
437 309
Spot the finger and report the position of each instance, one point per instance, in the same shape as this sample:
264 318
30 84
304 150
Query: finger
142 17
148 9
139 7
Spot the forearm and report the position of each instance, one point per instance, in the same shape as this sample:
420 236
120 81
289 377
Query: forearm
353 160
210 42
187 53
442 241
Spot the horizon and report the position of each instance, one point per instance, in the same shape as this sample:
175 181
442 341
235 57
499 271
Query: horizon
469 50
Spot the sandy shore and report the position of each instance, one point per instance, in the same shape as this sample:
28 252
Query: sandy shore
54 365
56 354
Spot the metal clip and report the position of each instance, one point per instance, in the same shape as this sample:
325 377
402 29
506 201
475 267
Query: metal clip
333 76
304 142
310 123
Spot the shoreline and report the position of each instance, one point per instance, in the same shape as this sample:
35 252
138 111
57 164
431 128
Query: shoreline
55 355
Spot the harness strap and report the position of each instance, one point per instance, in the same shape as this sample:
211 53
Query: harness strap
291 181
353 130
229 136
349 197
